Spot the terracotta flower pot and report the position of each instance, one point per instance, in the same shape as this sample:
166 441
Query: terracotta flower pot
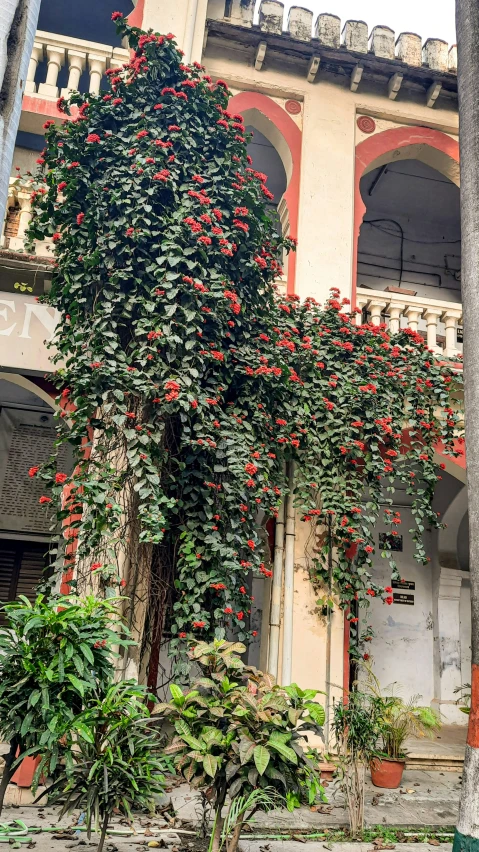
386 772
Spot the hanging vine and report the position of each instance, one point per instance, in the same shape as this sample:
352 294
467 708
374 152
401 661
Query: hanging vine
187 379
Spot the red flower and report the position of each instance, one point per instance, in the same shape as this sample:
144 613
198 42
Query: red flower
117 101
250 544
56 237
60 478
251 468
389 601
182 635
80 218
199 624
62 185
366 656
129 232
33 470
44 499
122 583
141 134
240 616
93 137
116 15
369 549
387 588
228 610
96 364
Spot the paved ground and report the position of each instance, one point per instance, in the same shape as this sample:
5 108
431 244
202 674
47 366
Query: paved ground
425 799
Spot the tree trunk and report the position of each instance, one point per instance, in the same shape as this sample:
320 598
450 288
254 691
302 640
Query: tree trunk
7 770
467 24
18 22
104 827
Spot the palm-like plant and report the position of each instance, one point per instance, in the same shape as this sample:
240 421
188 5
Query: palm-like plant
117 764
402 719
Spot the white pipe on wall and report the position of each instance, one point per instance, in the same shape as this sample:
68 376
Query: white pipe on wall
276 591
287 661
190 29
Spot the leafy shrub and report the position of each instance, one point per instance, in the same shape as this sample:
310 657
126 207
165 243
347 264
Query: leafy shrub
54 654
116 763
235 731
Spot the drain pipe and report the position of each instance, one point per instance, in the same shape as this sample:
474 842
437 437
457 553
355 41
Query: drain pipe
329 631
190 29
287 661
276 591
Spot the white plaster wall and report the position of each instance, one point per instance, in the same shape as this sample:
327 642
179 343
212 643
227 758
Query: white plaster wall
402 649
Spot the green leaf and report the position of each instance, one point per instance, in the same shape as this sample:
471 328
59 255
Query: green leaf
210 765
261 757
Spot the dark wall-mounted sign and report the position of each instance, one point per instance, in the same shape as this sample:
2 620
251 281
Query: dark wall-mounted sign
404 584
406 600
388 541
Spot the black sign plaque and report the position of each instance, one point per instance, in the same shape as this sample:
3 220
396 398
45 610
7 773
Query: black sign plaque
405 600
404 584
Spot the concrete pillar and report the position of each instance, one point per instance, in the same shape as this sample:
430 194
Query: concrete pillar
413 315
97 66
300 23
450 319
409 48
447 644
76 63
178 18
36 57
395 311
325 243
432 315
376 307
56 58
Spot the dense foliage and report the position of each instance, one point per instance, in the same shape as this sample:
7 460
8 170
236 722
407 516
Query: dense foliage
54 655
116 765
235 731
187 380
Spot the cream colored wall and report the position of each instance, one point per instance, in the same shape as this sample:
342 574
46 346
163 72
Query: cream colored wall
165 16
330 134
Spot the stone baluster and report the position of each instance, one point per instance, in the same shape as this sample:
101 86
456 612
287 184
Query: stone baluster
56 58
361 302
76 63
36 57
97 66
432 316
24 200
413 315
376 307
395 311
450 318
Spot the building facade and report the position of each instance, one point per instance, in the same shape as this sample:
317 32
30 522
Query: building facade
357 132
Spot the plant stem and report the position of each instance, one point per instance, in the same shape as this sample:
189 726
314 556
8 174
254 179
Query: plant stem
7 770
103 832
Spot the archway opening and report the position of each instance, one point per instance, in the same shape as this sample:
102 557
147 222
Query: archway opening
410 237
27 434
267 160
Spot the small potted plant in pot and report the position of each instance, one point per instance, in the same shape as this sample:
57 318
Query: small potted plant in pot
399 720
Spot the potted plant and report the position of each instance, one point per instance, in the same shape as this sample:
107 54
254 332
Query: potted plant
399 720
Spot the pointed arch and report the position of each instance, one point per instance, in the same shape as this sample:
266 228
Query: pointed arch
279 128
432 147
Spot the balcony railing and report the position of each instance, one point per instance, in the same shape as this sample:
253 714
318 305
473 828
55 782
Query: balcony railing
86 62
439 320
17 219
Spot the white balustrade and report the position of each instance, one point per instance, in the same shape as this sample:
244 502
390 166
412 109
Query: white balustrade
437 320
19 196
77 55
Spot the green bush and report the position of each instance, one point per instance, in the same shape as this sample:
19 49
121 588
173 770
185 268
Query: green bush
116 763
235 732
54 654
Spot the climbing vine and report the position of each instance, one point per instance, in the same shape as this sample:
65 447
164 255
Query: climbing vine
187 380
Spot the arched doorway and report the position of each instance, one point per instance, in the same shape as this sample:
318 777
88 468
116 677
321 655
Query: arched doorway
27 433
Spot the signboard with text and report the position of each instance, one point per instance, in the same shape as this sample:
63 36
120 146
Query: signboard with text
25 327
